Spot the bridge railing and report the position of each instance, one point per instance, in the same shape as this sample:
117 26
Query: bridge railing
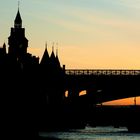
101 72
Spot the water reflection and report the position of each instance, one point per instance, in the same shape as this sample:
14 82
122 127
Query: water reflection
98 133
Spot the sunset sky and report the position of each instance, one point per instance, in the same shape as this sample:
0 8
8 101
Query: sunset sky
90 33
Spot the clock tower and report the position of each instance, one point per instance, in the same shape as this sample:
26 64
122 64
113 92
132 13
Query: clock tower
17 41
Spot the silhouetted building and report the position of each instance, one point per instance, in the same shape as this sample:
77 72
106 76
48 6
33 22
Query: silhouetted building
51 78
28 87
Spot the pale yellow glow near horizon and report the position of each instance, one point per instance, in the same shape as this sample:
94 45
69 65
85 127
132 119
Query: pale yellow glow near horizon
113 57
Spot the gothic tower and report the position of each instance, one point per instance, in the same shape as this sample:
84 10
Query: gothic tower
17 41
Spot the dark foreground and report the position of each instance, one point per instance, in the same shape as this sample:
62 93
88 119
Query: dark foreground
67 118
79 118
117 116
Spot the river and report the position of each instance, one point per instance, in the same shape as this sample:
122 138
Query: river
94 133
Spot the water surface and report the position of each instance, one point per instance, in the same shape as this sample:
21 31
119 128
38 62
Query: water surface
97 133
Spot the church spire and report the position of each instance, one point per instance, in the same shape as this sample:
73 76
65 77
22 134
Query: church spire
17 41
57 59
4 48
46 45
57 50
18 20
45 58
4 45
52 54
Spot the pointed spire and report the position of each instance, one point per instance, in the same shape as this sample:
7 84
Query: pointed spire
45 58
53 47
18 4
4 48
56 52
46 51
18 20
4 45
46 46
56 49
57 59
52 58
52 54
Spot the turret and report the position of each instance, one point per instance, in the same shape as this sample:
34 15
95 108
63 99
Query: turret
4 48
52 59
17 41
57 59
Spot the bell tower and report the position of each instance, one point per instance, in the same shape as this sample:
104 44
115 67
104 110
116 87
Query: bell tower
17 41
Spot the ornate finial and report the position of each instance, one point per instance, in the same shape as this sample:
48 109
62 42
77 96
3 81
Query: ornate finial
18 20
46 45
53 47
57 49
18 4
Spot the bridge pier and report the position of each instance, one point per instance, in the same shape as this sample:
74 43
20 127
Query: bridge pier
73 93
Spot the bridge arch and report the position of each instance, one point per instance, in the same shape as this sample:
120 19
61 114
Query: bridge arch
75 93
83 92
102 86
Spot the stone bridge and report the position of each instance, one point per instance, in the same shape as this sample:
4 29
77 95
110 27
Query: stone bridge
103 85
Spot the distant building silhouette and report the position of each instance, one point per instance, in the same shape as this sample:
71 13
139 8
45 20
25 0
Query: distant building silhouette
18 57
27 87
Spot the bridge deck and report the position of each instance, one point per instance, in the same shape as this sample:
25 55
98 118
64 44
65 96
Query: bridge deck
101 72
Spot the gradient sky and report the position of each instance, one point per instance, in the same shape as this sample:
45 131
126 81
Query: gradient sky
90 33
